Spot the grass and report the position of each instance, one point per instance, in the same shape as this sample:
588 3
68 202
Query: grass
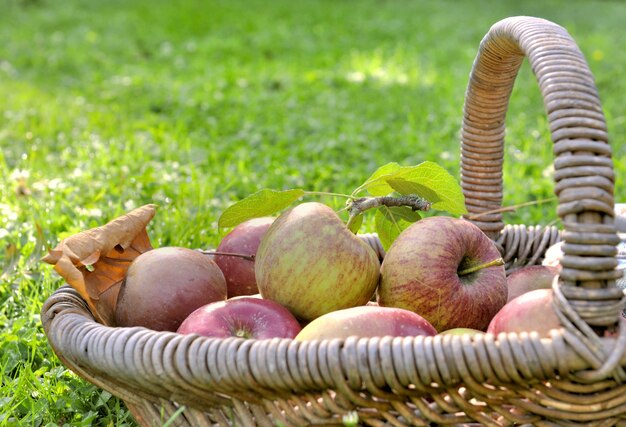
106 106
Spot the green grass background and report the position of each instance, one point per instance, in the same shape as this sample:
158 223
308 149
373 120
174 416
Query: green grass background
192 105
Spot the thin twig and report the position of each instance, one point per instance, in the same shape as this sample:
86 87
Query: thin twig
244 256
509 208
358 206
416 203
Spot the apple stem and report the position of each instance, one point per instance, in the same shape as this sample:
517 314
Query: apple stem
477 267
244 256
240 333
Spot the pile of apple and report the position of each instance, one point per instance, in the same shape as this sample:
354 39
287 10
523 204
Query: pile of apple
305 275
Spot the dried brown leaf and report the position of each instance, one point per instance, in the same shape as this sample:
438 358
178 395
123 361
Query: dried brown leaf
95 261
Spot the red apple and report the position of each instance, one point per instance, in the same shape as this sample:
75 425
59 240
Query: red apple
367 321
529 278
244 239
244 317
163 286
446 270
532 311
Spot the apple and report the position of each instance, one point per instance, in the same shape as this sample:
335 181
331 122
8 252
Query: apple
309 262
529 278
244 240
446 270
461 331
367 321
164 285
244 317
532 311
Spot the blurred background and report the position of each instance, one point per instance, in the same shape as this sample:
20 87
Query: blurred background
192 105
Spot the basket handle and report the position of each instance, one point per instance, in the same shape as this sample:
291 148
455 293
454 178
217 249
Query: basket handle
583 175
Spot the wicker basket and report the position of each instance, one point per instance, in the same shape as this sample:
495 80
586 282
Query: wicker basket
576 377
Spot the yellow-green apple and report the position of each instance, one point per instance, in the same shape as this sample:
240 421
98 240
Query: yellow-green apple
164 285
242 243
309 262
446 270
367 321
529 278
461 331
244 317
532 311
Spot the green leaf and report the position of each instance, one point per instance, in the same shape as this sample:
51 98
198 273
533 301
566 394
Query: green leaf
433 178
262 203
356 223
405 187
391 221
427 180
376 184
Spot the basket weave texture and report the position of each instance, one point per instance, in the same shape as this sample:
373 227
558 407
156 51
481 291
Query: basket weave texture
576 377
